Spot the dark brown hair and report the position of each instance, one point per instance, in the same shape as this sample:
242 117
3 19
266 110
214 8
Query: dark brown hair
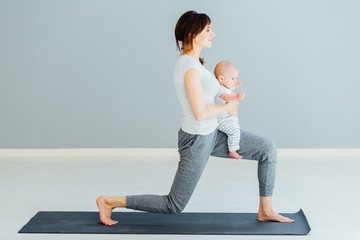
189 25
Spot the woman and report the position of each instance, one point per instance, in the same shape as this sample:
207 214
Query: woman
198 137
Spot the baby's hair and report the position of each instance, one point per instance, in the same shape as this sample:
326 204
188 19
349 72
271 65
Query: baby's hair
222 66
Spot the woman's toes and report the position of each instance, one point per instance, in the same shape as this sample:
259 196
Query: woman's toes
274 217
286 219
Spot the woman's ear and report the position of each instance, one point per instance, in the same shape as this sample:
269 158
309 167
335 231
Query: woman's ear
193 38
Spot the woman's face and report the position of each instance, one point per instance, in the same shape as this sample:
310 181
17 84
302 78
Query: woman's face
204 39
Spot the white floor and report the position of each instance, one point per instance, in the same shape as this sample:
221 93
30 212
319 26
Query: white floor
327 189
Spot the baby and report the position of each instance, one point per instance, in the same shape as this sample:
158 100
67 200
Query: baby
226 73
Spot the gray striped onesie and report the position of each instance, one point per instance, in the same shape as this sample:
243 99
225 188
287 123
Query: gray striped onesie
227 123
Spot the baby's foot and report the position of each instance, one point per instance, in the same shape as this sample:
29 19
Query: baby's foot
235 155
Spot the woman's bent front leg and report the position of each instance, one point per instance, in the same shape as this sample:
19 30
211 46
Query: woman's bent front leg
253 147
262 149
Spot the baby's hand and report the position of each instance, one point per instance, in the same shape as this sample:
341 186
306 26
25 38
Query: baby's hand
236 85
240 96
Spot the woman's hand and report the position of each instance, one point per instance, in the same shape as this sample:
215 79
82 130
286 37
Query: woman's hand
232 107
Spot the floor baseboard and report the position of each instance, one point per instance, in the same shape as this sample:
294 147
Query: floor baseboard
133 152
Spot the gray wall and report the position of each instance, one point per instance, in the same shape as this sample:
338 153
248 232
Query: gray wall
98 74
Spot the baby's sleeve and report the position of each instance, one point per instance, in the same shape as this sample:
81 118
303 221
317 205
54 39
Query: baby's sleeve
221 91
218 100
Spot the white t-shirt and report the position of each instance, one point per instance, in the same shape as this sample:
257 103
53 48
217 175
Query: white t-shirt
210 87
219 101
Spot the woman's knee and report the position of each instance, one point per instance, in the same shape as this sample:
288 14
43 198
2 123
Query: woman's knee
269 149
175 208
175 205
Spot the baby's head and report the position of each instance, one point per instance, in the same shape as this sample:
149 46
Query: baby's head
226 73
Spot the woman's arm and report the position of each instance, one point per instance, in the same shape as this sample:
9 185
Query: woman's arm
199 108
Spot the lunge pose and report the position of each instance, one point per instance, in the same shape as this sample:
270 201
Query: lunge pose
199 136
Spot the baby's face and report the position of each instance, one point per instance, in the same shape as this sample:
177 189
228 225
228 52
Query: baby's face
229 77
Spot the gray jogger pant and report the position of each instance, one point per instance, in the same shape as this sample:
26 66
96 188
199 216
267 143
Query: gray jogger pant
195 151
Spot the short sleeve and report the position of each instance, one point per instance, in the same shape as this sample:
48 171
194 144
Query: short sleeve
219 93
223 90
189 64
218 100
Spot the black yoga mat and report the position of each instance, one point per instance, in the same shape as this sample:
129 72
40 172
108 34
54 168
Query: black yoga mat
156 223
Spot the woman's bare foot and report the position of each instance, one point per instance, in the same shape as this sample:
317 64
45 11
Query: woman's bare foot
105 210
235 155
273 216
